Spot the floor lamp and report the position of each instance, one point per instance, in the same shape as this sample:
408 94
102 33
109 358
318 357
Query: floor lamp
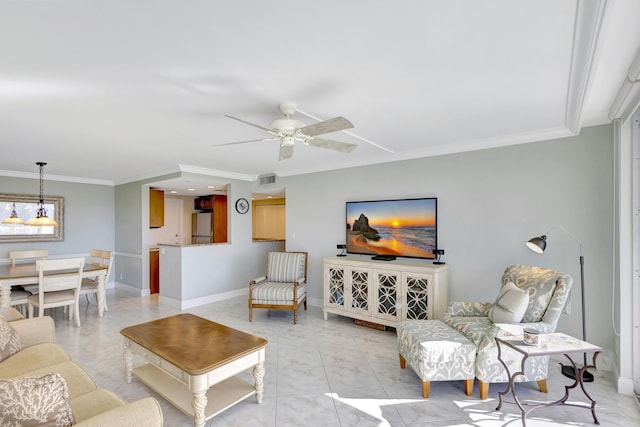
538 245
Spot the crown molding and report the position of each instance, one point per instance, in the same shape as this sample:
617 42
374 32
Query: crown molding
627 100
49 177
217 173
590 16
445 149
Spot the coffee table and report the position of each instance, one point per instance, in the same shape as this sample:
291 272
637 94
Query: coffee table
192 363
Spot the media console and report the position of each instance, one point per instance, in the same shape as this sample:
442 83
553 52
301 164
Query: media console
384 292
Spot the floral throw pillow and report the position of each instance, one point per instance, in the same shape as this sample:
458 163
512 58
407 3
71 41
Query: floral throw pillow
35 402
9 340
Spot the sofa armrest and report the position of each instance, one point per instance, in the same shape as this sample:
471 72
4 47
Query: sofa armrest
468 309
143 412
36 330
10 314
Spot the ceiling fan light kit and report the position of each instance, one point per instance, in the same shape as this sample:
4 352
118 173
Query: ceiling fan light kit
289 130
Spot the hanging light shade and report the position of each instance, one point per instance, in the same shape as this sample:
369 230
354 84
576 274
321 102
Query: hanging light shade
13 219
41 219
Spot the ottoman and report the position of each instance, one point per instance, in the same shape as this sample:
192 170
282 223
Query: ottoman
436 353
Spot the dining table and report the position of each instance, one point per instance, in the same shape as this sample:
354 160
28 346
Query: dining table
27 274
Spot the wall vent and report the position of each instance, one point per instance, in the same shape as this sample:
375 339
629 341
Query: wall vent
267 179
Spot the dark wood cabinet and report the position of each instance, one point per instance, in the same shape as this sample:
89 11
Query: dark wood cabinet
219 219
156 208
154 271
210 224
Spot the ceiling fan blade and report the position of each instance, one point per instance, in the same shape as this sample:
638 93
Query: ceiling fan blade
343 147
243 142
331 125
250 124
286 150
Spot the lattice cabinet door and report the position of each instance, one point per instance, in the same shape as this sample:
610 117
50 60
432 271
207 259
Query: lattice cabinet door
335 291
360 301
387 294
417 304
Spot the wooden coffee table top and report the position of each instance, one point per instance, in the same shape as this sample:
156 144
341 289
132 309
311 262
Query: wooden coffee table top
193 344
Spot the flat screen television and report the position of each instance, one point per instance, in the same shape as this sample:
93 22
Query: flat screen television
401 228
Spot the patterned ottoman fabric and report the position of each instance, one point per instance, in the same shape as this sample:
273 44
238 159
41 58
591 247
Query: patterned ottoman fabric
435 351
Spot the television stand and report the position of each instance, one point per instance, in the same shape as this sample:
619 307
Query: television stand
384 257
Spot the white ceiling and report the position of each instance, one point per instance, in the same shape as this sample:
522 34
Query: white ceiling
115 91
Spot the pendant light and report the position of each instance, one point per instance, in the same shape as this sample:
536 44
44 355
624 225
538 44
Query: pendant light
41 219
13 219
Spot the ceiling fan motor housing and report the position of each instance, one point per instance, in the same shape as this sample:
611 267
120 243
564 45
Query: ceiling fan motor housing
286 126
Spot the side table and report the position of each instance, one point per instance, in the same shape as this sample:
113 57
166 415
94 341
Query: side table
554 343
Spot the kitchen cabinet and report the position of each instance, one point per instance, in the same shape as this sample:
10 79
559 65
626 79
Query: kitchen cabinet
210 225
269 222
154 271
156 208
384 292
219 219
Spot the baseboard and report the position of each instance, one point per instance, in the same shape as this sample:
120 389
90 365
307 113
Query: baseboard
625 386
131 289
182 305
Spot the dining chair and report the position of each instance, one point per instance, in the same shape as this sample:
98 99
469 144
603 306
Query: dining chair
30 255
59 282
27 256
90 284
20 299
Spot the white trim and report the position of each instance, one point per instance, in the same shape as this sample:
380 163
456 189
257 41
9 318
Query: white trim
49 177
635 251
625 386
217 173
182 305
588 25
131 289
445 148
128 255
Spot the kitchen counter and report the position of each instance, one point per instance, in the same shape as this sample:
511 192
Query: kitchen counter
178 245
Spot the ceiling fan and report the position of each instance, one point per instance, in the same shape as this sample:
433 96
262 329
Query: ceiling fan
289 130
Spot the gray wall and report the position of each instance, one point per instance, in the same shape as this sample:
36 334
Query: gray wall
490 203
89 219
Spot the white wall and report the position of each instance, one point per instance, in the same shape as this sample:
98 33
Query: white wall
490 203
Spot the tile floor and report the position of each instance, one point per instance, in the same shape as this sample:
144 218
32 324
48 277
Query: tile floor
319 373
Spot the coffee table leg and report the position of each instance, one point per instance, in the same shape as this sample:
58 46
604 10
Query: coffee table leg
128 360
258 377
199 403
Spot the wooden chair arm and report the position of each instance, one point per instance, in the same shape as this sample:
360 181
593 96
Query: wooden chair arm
258 280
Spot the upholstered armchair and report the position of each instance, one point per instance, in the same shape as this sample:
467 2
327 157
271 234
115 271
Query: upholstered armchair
285 285
547 292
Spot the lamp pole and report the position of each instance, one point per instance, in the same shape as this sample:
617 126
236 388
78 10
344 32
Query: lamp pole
538 245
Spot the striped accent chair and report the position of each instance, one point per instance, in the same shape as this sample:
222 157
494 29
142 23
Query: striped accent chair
285 285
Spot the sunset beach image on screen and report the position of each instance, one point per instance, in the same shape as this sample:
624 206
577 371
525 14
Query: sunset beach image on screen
403 227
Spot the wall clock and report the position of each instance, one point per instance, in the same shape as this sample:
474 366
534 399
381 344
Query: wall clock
242 206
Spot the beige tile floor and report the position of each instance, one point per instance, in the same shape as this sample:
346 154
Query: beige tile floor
319 373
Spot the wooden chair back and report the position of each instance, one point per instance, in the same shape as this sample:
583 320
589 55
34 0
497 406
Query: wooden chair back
31 255
70 276
105 258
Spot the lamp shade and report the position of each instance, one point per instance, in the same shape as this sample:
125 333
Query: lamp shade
43 221
13 219
537 244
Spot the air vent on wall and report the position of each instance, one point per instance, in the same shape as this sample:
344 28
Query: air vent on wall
267 179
